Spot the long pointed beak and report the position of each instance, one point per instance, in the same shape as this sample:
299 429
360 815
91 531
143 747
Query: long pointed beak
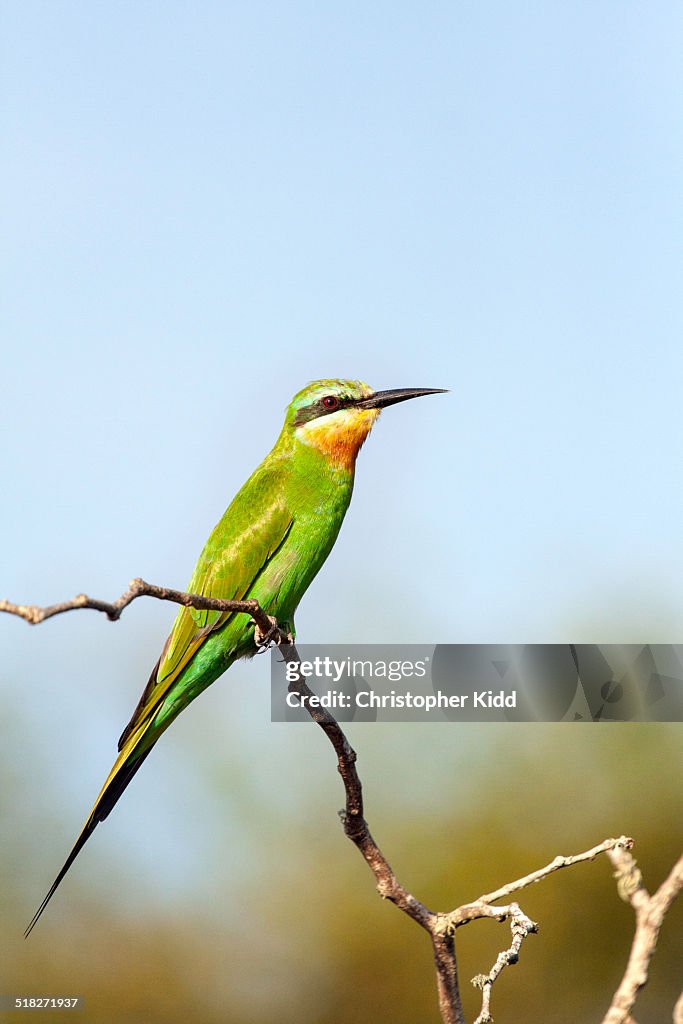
380 399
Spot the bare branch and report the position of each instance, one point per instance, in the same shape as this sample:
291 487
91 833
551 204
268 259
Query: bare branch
482 907
355 825
357 830
555 865
440 926
33 614
650 912
520 926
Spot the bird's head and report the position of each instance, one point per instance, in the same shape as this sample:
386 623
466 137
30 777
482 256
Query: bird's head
335 416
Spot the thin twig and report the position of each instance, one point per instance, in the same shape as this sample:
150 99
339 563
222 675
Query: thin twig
520 926
558 862
484 906
650 912
33 614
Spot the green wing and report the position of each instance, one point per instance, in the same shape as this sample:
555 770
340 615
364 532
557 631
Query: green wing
235 554
237 551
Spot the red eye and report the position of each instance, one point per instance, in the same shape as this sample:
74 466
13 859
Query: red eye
330 402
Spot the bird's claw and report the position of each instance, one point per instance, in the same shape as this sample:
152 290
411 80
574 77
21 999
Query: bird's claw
276 635
264 639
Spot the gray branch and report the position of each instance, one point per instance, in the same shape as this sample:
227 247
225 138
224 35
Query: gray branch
650 912
520 926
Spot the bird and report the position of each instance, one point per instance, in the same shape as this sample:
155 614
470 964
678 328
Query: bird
268 546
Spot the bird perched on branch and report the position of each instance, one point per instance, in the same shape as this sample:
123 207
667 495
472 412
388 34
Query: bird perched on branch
269 546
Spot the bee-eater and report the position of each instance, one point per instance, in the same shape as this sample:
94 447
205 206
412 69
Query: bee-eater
269 546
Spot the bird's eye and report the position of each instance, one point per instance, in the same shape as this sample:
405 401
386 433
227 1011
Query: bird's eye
330 402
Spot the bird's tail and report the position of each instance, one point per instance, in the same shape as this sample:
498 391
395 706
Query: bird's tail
125 767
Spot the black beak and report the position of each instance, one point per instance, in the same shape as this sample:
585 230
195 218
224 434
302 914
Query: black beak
380 399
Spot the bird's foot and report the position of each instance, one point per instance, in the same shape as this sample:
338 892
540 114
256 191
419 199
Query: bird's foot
264 639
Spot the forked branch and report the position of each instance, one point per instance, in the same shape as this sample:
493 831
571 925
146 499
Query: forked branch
650 910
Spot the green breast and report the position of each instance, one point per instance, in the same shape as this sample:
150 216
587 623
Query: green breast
318 496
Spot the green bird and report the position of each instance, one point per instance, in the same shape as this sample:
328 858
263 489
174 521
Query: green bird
269 546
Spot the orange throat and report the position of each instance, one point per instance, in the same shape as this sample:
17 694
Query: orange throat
340 435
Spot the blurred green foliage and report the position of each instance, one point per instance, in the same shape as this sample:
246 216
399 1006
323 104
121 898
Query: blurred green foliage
299 935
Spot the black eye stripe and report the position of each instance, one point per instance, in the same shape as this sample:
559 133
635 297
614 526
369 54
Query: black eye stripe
318 408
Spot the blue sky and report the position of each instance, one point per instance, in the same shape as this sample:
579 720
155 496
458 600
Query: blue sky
208 205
